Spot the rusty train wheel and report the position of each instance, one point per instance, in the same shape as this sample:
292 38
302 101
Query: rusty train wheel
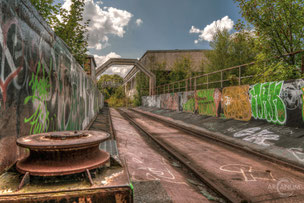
62 153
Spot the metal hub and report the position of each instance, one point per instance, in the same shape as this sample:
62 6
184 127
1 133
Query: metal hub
62 153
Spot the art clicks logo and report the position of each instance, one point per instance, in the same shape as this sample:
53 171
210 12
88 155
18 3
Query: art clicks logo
285 187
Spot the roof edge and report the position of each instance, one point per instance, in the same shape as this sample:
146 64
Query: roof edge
174 50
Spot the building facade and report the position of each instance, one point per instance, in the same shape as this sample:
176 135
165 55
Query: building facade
165 60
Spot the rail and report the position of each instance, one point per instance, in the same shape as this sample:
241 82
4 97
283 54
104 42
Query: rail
217 79
221 191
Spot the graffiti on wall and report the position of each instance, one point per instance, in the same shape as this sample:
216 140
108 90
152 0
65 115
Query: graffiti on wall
266 102
298 153
292 97
280 103
235 103
187 102
257 135
217 100
302 103
12 51
205 102
42 87
170 101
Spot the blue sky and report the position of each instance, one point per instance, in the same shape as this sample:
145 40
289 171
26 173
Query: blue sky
166 24
127 28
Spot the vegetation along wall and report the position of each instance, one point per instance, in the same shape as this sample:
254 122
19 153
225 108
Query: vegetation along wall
42 87
274 102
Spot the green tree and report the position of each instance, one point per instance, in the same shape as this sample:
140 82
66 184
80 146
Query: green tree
48 10
219 57
159 69
73 30
112 89
108 85
265 70
70 28
181 69
142 84
142 81
231 49
279 26
161 74
242 47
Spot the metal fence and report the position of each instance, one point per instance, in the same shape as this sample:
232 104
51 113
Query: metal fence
236 75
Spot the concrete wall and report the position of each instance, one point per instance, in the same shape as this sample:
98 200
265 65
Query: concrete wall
274 102
42 87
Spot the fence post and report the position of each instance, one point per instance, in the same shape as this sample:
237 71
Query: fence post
302 66
240 75
221 79
207 81
190 84
186 81
178 86
194 84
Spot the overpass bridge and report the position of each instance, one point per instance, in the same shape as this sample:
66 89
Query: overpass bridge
137 66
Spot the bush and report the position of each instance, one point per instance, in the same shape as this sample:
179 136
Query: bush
136 101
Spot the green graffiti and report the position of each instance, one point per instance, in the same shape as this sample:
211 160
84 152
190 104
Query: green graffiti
40 86
189 106
266 102
205 101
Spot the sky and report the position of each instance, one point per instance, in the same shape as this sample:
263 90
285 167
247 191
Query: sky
128 28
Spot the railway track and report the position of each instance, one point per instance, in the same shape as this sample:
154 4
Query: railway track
236 174
103 121
212 137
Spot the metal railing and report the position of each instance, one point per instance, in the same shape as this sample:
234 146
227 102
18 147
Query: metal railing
235 75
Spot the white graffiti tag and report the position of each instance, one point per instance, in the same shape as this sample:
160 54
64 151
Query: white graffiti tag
298 153
256 136
151 173
247 172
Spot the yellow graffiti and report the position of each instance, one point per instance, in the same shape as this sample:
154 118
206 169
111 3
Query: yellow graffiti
235 102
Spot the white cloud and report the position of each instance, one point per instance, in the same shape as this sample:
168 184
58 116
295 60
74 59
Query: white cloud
102 59
139 22
119 70
99 2
194 30
103 22
209 31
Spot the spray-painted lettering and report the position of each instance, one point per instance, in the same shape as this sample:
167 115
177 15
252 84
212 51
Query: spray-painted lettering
266 102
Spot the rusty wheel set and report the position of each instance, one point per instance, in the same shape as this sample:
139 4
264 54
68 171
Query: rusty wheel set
62 153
